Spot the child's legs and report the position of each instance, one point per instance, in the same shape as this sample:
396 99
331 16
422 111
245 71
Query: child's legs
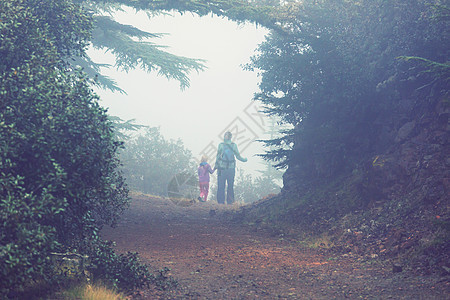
200 188
204 189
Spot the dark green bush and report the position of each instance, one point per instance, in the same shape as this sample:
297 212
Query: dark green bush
25 241
58 168
124 271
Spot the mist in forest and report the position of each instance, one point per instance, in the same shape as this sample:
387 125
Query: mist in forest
98 102
218 98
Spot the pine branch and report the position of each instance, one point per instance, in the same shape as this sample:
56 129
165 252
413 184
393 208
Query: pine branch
131 53
92 70
235 10
110 24
442 70
148 56
123 128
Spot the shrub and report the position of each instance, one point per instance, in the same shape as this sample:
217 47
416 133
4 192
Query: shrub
58 168
124 271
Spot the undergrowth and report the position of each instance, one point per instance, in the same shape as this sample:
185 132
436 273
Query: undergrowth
91 292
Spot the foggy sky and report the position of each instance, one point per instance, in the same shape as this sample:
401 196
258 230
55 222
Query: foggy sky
218 98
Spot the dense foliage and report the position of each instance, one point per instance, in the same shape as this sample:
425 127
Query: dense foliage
125 272
59 182
150 161
250 188
326 74
364 84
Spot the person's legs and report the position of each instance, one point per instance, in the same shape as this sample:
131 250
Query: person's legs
201 191
230 185
200 186
221 186
205 191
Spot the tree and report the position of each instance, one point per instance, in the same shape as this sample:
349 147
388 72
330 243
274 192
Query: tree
250 189
325 73
151 161
132 48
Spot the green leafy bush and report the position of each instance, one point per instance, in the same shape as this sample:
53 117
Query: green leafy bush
124 271
59 182
25 240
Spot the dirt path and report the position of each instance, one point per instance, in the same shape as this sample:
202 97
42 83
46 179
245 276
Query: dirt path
216 259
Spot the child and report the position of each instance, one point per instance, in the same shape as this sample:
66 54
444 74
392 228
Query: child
203 178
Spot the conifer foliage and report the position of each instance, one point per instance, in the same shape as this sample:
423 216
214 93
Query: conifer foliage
326 72
135 48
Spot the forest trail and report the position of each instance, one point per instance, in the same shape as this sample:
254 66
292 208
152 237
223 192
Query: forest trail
212 257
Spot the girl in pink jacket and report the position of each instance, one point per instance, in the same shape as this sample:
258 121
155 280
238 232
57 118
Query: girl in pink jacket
204 169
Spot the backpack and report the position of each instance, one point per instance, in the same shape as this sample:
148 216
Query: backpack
227 154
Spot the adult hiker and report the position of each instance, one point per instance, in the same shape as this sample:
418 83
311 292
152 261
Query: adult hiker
226 165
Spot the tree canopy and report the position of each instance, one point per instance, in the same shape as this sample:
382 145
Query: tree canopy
134 48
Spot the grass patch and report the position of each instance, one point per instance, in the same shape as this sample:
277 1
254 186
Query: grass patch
321 241
91 292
